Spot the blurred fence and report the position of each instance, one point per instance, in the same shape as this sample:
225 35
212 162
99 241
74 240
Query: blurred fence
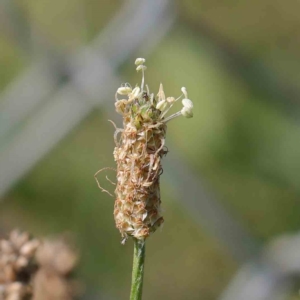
56 93
89 79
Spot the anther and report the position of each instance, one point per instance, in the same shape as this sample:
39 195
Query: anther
124 90
140 61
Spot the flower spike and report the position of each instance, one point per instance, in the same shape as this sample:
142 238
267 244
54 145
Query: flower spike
138 154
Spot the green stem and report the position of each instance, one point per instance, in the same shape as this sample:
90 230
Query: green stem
138 270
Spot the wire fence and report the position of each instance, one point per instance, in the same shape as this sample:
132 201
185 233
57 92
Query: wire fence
53 109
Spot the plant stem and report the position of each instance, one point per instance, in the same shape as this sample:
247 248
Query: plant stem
137 269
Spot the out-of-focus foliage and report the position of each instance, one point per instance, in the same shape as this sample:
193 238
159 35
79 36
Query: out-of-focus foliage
242 141
11 61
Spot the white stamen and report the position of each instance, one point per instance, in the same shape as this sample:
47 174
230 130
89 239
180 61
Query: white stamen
151 98
135 92
147 88
141 67
171 100
179 97
140 61
172 117
161 105
184 91
143 79
125 90
187 103
171 104
187 112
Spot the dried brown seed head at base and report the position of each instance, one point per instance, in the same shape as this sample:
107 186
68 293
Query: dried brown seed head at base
17 257
56 261
17 265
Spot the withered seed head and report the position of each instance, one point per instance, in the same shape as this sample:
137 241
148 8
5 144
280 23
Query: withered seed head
56 260
17 265
138 155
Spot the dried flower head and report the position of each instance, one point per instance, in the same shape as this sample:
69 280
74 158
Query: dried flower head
31 269
56 261
17 256
17 265
138 155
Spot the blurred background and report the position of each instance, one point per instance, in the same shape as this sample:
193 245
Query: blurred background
230 188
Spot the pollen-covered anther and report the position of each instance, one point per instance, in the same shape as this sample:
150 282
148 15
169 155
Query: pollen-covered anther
184 91
141 68
171 100
124 90
135 92
187 112
187 103
161 105
140 61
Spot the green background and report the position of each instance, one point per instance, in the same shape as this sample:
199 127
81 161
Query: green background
240 62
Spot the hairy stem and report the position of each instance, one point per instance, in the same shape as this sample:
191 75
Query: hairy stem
137 269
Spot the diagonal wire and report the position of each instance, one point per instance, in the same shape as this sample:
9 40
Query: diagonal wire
28 91
271 275
207 211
